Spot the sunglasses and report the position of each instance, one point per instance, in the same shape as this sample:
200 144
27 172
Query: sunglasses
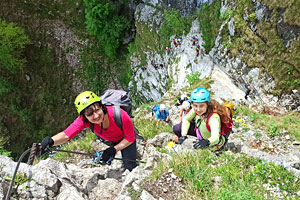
90 111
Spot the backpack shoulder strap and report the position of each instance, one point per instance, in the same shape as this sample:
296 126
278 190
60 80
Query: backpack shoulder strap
117 116
92 127
207 121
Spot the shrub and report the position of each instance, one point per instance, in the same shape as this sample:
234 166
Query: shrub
193 78
106 24
210 22
174 24
12 43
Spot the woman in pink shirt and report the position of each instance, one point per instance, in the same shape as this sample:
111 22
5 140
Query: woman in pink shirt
92 111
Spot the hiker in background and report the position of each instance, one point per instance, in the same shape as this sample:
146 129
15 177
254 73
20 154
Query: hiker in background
143 68
181 100
194 40
179 39
230 107
203 108
175 43
185 109
168 49
197 50
154 108
152 62
162 114
247 93
91 110
155 66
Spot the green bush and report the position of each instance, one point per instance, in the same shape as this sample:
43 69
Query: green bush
210 22
104 22
6 86
252 17
193 78
3 152
12 43
174 24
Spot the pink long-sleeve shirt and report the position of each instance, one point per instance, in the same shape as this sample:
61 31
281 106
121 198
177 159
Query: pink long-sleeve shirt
113 133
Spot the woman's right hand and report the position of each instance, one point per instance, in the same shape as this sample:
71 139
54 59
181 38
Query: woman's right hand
46 143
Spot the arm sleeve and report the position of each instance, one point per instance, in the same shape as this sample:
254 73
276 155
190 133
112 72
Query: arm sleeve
186 122
215 126
128 127
76 127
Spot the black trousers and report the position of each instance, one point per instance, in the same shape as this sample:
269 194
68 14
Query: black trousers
129 153
191 131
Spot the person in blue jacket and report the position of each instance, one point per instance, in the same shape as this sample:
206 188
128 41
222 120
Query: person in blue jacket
162 114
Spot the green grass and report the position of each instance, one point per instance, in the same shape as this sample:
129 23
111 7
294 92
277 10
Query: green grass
273 125
207 176
83 145
134 195
150 128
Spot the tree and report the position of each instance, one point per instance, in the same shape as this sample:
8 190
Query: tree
12 43
103 21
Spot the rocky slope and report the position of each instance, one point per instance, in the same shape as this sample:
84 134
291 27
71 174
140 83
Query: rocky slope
50 179
231 75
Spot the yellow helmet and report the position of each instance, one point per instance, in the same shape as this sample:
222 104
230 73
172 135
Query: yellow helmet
85 99
230 106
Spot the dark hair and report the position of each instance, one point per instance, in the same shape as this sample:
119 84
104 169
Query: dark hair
98 104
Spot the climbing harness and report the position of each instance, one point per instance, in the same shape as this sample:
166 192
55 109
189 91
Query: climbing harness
36 150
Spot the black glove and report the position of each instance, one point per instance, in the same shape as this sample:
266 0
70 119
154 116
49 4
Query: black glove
201 144
108 153
45 144
181 139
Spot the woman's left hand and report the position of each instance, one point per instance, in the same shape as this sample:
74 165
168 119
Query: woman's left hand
200 144
108 153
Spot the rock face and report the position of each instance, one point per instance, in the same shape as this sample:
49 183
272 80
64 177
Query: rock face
231 76
50 179
186 7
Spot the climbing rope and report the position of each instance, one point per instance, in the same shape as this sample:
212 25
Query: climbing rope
35 150
15 173
94 155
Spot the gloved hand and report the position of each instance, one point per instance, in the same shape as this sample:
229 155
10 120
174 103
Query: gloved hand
201 144
181 139
108 153
46 143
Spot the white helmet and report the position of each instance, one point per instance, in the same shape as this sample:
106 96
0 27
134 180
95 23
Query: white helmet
183 96
162 107
186 105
